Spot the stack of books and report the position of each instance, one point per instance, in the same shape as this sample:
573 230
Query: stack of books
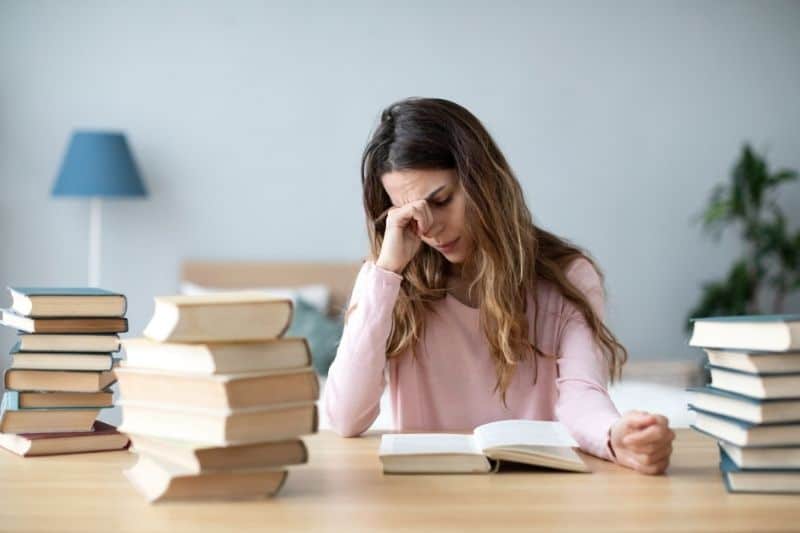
752 405
61 371
214 399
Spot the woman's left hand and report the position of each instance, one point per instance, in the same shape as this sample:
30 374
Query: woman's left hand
642 441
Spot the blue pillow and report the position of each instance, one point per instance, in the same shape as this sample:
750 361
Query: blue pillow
322 333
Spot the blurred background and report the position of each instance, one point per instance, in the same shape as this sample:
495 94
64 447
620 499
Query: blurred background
247 121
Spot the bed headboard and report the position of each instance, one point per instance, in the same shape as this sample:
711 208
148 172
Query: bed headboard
339 276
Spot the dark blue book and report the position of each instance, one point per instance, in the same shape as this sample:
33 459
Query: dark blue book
44 302
754 362
773 458
761 480
777 333
742 407
742 433
761 386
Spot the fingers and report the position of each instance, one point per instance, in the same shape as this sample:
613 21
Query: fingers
417 215
640 440
639 419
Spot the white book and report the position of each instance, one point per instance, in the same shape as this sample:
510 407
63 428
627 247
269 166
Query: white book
532 442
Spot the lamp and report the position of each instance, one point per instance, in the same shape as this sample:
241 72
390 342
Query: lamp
98 164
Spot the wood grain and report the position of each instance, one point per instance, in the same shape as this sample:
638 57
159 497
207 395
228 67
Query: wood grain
342 488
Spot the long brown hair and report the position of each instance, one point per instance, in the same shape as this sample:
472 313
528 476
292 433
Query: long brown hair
511 254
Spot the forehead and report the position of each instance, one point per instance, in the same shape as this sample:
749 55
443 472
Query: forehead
404 186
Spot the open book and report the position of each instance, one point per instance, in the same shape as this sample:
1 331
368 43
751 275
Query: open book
532 442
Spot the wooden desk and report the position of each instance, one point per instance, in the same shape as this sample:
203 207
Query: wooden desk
342 488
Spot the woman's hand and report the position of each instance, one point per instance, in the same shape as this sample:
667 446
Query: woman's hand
642 441
401 241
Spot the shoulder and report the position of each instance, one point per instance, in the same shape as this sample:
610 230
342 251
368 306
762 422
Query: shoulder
585 277
582 273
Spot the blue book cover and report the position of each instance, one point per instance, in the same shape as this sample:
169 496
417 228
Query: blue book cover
750 318
708 389
64 291
746 373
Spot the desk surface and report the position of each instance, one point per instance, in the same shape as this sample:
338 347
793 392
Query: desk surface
342 488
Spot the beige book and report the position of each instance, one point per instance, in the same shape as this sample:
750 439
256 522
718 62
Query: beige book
51 342
531 442
218 357
218 391
219 427
160 481
61 361
47 421
58 380
198 458
64 302
226 316
102 437
63 325
34 399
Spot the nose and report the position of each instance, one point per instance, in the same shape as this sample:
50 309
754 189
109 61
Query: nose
436 227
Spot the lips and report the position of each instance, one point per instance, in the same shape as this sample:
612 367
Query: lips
448 246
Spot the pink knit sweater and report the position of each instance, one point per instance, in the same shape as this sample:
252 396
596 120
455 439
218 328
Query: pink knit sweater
450 385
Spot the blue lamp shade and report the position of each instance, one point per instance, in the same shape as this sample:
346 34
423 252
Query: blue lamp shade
98 163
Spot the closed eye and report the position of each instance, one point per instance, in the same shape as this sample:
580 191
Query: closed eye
444 202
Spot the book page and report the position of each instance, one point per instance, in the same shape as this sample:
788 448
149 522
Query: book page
428 444
523 432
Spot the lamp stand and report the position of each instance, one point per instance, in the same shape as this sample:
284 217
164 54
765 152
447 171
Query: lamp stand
95 219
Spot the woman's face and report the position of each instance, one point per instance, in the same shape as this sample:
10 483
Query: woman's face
448 233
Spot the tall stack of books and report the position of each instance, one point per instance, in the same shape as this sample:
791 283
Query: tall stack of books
214 399
61 371
752 405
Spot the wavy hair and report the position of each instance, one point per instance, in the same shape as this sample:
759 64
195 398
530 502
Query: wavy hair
511 254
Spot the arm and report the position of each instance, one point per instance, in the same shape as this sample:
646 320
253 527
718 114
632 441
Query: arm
583 404
356 377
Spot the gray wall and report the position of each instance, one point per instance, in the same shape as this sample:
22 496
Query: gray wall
248 122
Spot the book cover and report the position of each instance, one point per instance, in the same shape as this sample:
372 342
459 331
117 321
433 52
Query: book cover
67 301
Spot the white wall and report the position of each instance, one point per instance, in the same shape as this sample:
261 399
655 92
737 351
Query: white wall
248 121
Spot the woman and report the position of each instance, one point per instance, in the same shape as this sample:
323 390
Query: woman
475 313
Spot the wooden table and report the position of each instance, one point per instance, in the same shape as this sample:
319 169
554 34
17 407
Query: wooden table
342 488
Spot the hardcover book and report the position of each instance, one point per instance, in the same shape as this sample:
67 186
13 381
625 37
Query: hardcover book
218 357
777 333
749 409
160 481
67 302
224 391
63 325
226 316
101 437
758 479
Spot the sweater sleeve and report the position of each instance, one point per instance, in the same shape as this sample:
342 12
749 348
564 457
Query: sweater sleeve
356 377
583 404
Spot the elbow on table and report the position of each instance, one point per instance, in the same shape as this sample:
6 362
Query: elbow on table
346 428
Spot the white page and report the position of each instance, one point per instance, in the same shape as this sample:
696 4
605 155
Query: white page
523 432
428 443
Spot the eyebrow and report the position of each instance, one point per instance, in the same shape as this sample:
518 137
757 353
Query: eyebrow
433 193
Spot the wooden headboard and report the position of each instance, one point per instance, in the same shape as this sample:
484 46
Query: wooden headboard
339 276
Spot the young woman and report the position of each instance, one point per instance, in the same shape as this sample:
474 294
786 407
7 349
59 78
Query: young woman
475 313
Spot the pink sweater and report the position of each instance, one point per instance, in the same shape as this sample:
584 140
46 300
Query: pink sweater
449 387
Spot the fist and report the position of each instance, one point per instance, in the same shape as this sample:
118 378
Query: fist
405 227
642 441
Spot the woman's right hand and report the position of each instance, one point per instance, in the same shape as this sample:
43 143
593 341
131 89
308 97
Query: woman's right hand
402 239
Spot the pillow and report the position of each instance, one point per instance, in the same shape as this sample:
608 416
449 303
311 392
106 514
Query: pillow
321 332
310 319
317 295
